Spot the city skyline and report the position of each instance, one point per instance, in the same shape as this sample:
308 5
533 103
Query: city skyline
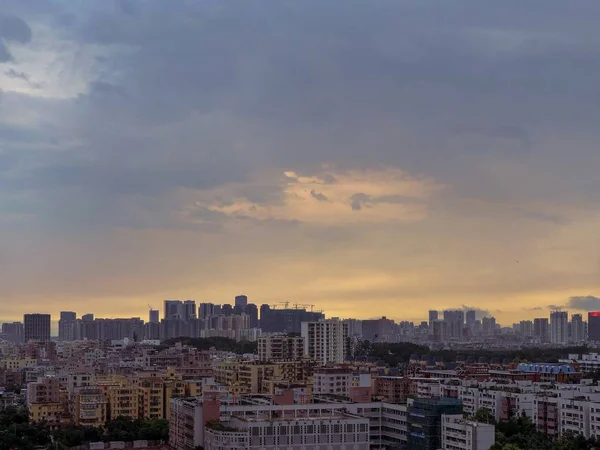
399 157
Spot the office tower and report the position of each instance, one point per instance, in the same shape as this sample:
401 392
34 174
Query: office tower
173 309
66 325
87 317
488 326
206 310
577 329
241 300
325 340
153 316
252 312
36 327
455 320
594 326
189 309
226 309
13 332
433 316
286 320
541 329
471 317
559 327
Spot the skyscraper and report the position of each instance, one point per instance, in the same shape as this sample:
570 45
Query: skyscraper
206 310
541 329
594 326
252 311
36 327
471 317
226 309
455 320
153 316
189 309
66 325
577 329
241 300
559 327
433 316
173 309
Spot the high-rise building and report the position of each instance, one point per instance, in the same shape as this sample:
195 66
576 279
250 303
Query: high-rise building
13 332
455 320
66 325
471 318
241 300
594 326
226 309
36 327
206 310
286 320
252 311
173 309
153 316
559 327
425 421
87 317
325 341
433 316
189 309
577 329
488 326
541 329
378 329
526 328
280 347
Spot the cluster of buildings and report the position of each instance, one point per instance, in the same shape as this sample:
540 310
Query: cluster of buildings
303 387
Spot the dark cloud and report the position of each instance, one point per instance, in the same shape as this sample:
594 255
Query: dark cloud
360 200
13 28
318 196
584 303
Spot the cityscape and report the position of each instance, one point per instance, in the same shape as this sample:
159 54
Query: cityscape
244 321
239 375
299 225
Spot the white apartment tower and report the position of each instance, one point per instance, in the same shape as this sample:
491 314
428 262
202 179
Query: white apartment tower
559 327
326 340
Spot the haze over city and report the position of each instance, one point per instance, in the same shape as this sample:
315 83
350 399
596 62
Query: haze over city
384 158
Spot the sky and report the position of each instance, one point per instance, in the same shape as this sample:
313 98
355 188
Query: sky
381 157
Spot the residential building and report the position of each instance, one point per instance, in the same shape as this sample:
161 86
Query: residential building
425 421
36 327
325 341
280 347
461 434
559 327
66 325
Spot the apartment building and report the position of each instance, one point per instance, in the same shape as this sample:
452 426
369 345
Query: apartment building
89 407
325 341
46 402
461 434
280 347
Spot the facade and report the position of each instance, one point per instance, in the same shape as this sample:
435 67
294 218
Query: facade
425 421
66 325
333 432
153 316
461 434
286 320
36 327
577 333
541 329
559 327
325 341
280 347
594 326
